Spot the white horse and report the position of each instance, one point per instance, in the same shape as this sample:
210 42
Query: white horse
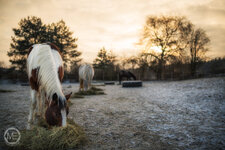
86 74
45 72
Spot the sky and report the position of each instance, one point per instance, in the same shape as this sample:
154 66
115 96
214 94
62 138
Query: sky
113 24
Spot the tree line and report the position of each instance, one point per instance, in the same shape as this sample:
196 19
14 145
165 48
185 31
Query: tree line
170 46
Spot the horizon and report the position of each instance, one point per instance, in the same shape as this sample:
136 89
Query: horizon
115 25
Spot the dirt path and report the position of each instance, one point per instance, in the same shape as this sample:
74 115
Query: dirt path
161 115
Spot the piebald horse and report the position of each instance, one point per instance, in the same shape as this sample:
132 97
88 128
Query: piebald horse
86 74
45 73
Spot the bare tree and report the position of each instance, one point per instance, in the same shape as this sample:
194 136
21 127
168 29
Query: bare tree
168 34
133 61
198 46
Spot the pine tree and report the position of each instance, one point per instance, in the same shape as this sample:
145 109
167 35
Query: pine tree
31 31
104 61
59 34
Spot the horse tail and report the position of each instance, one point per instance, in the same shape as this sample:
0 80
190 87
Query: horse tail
85 85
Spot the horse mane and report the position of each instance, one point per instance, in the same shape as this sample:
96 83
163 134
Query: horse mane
48 71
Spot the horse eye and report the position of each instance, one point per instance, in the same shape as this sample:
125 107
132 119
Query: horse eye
58 114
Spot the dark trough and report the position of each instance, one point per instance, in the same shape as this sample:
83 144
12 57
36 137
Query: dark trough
25 84
136 83
109 83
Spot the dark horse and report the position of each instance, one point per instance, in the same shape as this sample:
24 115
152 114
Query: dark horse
126 74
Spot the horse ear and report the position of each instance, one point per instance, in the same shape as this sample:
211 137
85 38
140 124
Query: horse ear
54 99
68 96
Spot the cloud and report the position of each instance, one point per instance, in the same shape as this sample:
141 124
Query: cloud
217 37
211 17
114 24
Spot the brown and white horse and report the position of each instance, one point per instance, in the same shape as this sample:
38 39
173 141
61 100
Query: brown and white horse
45 72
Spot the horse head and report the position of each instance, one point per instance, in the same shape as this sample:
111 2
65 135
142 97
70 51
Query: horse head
53 113
126 74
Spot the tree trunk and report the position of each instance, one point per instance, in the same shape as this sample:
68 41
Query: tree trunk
161 61
103 75
193 69
160 70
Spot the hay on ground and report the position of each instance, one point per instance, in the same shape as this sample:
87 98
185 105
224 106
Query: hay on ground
92 91
75 95
69 103
57 138
93 88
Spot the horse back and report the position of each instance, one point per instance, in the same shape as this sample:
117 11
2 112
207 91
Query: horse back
86 72
33 64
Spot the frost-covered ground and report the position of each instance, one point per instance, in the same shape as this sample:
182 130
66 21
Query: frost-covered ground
160 115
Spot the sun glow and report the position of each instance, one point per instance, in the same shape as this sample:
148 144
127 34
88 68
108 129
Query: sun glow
157 49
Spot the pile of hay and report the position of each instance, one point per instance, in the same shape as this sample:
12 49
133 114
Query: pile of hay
43 137
93 88
92 91
77 95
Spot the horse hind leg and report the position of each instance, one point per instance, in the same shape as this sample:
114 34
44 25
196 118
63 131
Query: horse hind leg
85 85
81 84
32 108
89 84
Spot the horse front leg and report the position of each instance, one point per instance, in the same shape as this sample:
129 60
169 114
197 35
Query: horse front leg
120 78
32 108
42 104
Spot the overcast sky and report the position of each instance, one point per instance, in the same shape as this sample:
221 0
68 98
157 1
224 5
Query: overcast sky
114 24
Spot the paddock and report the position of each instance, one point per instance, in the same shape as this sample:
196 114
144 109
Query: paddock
161 115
